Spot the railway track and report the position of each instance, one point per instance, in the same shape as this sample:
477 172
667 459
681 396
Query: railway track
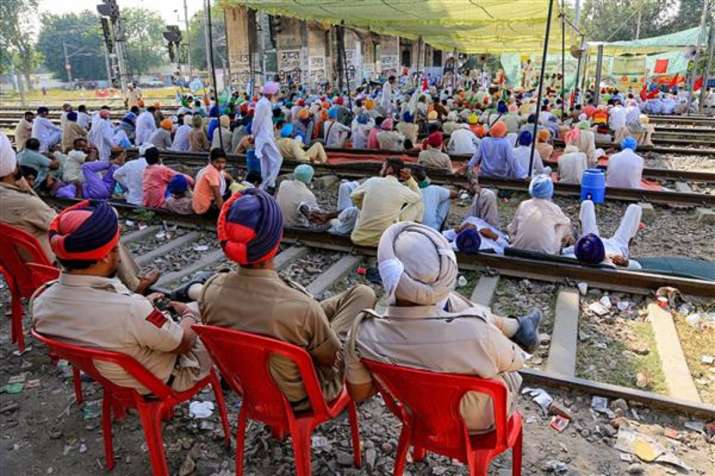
340 259
358 170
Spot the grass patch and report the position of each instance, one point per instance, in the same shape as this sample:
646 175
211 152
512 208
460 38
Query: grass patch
696 342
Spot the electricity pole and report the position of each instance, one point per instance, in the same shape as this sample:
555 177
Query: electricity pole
188 40
68 66
693 73
706 73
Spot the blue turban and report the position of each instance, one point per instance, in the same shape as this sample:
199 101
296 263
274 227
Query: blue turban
468 241
214 111
363 119
407 117
304 173
629 143
72 116
287 130
501 107
177 185
87 231
129 118
524 138
589 249
333 112
250 227
541 186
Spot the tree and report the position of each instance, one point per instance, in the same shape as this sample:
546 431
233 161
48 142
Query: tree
81 33
146 47
198 39
689 14
614 20
16 30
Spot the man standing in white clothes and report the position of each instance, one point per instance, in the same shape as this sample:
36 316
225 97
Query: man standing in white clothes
266 148
146 125
102 134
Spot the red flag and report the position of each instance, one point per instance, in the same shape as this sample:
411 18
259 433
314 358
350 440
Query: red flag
644 93
698 83
661 66
674 81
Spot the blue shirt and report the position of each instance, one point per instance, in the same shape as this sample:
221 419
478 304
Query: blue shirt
436 202
495 157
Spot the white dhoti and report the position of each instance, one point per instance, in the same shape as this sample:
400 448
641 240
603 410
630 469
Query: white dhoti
627 229
271 161
345 189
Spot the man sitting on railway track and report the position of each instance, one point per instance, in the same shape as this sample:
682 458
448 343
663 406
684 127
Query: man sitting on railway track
23 131
22 208
31 157
495 156
211 189
71 132
156 177
625 169
131 176
433 157
256 299
45 130
295 199
89 306
436 200
428 326
291 148
539 224
592 249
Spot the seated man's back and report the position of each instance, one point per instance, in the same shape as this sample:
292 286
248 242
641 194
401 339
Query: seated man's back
625 169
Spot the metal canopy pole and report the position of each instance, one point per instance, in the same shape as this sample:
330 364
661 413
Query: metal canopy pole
209 37
563 63
599 67
541 85
694 72
577 97
706 73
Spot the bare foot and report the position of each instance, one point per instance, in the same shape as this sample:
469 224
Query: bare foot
146 281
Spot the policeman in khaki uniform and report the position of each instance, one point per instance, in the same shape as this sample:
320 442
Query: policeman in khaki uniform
256 299
22 208
88 306
429 327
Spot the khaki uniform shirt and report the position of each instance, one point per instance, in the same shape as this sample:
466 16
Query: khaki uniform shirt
291 193
23 131
539 225
435 159
71 132
291 149
102 313
383 201
25 210
259 301
464 340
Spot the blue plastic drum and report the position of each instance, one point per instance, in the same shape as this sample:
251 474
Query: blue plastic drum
593 185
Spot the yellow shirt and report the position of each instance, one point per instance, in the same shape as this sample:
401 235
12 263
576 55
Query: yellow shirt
291 149
383 201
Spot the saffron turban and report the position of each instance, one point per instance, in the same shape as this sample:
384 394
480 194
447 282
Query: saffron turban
541 186
498 130
178 184
524 138
629 143
543 135
271 87
87 231
166 124
416 264
304 173
369 104
8 159
250 227
435 139
589 249
468 241
303 114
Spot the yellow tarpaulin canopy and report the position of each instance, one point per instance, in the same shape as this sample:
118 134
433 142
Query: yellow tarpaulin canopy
468 26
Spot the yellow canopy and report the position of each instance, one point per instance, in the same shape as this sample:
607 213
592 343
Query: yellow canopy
468 26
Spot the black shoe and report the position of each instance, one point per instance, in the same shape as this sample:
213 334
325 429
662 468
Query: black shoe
527 337
181 294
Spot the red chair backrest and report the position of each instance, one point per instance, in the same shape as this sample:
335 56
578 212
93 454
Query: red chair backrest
23 260
431 402
243 359
84 357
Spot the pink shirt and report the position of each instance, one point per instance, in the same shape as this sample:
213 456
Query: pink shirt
156 178
372 142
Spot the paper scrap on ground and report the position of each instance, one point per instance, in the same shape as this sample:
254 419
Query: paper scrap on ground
201 409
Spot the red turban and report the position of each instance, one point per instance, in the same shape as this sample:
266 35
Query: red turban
435 139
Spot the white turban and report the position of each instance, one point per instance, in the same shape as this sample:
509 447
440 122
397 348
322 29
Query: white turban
8 160
188 118
416 264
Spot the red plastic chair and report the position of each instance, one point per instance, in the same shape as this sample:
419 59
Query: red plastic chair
262 399
428 405
25 268
152 409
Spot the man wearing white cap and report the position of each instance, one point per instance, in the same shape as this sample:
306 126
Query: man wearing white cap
266 148
427 326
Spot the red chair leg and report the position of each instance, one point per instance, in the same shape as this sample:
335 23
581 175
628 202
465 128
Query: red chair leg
16 323
418 454
355 432
240 439
150 416
107 430
402 447
300 434
77 381
516 454
478 463
221 402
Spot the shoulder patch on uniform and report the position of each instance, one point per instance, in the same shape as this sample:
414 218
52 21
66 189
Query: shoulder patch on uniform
157 318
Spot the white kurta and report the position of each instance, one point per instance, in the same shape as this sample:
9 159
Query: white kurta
101 136
266 148
571 167
181 139
617 118
462 142
46 132
386 98
146 125
625 170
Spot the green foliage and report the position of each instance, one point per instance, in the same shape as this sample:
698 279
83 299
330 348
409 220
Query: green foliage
16 30
198 41
82 33
689 14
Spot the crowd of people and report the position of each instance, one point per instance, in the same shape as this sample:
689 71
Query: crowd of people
404 215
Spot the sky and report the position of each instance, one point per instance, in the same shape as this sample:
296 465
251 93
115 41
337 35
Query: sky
167 8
